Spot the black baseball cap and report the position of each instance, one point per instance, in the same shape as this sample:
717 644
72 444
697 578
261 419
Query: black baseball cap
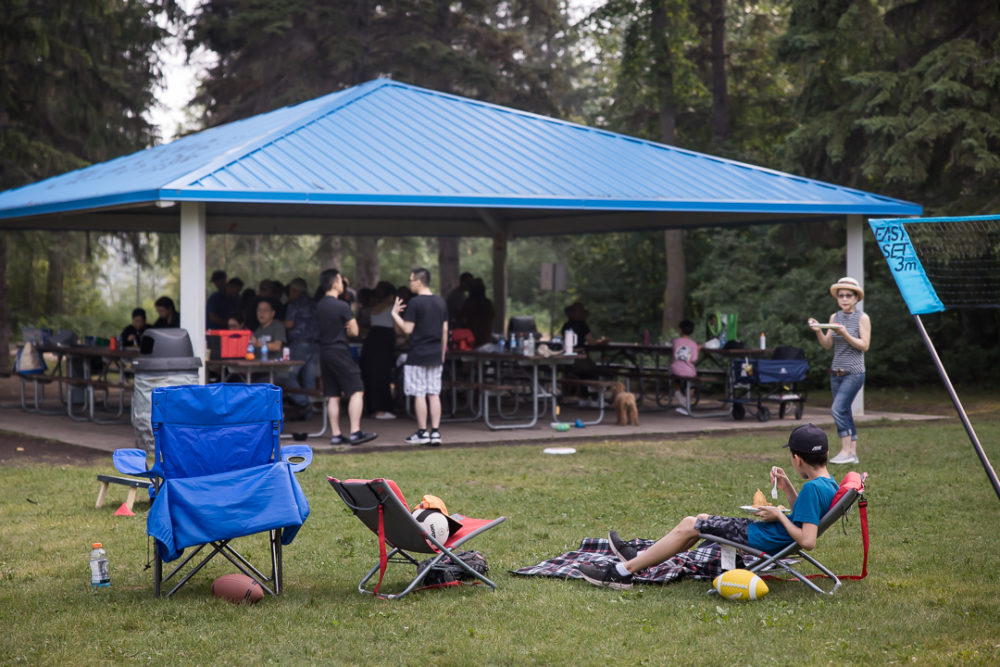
808 439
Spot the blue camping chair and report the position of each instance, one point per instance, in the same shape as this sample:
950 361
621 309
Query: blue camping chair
220 474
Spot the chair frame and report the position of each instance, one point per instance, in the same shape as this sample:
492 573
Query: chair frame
221 547
793 549
398 526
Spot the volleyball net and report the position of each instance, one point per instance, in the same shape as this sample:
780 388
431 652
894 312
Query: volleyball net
944 264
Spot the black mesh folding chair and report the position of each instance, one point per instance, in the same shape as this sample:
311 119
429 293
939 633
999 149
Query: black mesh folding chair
380 505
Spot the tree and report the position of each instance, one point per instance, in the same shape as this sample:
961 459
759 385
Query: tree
274 53
76 81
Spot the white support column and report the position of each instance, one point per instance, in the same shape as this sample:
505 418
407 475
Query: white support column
856 270
193 277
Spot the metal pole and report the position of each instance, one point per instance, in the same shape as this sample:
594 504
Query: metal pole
990 472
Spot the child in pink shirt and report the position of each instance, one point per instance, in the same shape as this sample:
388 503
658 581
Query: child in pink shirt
685 356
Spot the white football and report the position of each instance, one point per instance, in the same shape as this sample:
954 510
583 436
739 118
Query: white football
740 585
434 523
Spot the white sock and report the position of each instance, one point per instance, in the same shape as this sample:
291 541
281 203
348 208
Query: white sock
622 570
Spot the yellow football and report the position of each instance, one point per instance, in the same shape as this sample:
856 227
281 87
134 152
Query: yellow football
740 585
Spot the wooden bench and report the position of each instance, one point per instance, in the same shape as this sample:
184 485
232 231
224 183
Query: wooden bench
131 482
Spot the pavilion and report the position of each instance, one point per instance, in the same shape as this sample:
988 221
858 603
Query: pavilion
386 158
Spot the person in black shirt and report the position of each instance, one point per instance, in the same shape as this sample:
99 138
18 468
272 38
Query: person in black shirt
168 317
132 333
426 323
341 375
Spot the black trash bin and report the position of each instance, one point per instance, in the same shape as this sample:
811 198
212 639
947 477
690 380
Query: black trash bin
166 359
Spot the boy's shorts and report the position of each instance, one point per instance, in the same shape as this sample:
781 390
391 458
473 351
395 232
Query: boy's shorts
727 527
422 380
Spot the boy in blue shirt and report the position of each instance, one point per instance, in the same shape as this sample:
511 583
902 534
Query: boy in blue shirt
808 448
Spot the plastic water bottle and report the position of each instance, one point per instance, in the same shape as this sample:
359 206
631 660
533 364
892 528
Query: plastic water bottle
263 351
250 352
501 344
529 345
99 577
513 343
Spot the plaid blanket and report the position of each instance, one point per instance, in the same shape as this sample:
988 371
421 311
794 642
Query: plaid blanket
702 562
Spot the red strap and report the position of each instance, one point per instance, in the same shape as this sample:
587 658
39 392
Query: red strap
863 512
383 561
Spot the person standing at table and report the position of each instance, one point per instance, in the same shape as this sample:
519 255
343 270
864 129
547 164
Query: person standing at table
300 322
426 323
217 312
133 332
378 353
849 334
341 375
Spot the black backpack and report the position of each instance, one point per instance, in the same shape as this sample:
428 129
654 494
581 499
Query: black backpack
446 572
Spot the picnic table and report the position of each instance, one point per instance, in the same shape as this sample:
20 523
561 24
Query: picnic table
229 367
643 367
512 375
68 376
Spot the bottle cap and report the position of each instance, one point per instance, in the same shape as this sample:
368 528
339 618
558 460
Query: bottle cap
97 545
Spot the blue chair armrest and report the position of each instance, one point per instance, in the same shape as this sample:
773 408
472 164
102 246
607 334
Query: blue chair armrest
297 456
131 462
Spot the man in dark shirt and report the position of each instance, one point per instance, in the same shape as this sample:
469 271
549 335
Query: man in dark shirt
426 323
216 310
300 321
341 375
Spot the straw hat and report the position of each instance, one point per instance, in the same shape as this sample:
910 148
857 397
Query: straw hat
847 283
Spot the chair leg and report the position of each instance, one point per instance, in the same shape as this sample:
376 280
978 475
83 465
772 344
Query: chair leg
157 569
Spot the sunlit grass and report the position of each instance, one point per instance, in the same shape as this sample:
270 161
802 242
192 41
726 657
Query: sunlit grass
932 596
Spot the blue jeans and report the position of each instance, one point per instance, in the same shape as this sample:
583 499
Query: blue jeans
845 388
303 377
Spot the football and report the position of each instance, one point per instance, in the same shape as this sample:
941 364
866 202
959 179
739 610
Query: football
740 585
237 588
434 522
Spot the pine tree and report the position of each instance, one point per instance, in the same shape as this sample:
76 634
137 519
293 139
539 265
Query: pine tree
75 81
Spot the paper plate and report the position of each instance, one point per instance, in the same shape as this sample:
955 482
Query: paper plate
559 450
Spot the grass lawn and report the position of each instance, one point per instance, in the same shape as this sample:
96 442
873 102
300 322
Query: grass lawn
932 595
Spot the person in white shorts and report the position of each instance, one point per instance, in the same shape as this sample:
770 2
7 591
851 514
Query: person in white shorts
426 323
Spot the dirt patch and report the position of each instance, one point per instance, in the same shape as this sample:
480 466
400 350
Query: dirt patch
17 449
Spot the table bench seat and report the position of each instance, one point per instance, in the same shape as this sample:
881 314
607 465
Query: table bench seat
131 482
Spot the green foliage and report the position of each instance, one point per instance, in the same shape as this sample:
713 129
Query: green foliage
77 80
926 600
899 98
275 53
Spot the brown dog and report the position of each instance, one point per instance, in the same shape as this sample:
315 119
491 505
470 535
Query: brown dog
624 405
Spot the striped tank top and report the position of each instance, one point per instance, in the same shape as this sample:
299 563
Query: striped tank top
845 356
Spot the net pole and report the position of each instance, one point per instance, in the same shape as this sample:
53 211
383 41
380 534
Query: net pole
990 472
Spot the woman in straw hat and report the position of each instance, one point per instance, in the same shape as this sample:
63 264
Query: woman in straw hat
849 333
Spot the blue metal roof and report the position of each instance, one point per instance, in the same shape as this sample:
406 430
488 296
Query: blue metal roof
389 144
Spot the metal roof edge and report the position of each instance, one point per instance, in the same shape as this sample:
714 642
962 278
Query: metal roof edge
897 207
84 205
349 95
